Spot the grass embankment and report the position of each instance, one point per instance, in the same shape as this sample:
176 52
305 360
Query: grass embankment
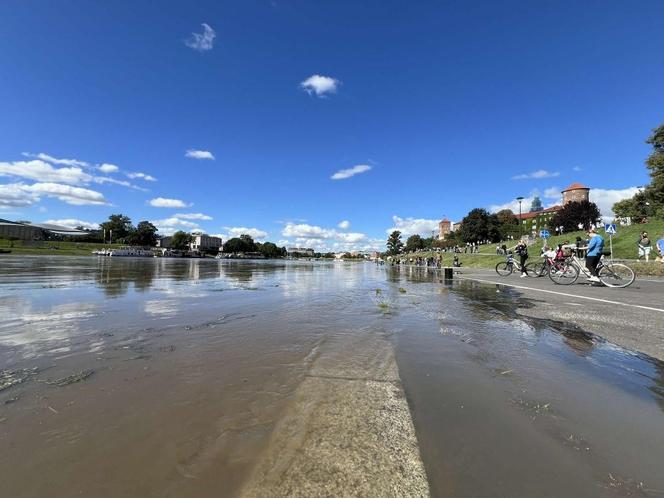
46 247
624 247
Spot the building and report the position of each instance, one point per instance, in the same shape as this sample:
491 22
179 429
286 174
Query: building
205 243
535 221
444 229
538 220
200 243
576 192
299 251
36 231
20 231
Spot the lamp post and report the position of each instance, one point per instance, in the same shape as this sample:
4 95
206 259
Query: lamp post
520 199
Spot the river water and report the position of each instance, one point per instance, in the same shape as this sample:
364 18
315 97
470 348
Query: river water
166 377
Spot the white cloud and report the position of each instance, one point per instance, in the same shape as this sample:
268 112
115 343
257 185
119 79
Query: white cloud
344 225
143 176
606 198
108 168
76 196
412 226
255 233
193 216
320 85
536 175
577 168
347 173
73 223
553 193
199 154
303 230
170 225
39 170
55 160
202 41
15 195
324 239
168 203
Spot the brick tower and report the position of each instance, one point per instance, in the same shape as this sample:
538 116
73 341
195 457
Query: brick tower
575 193
444 228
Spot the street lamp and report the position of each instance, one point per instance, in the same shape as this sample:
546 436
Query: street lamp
520 199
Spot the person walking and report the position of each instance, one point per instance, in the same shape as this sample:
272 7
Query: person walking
644 246
522 250
594 253
660 249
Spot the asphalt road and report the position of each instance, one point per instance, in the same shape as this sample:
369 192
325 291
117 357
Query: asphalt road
631 317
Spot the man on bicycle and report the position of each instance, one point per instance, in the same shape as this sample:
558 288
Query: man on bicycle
594 253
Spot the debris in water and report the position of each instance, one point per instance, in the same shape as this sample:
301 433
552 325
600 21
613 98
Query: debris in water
71 379
9 378
378 292
12 400
506 372
53 409
402 290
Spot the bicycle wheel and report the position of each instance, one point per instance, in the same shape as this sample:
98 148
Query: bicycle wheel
504 268
616 275
535 269
563 273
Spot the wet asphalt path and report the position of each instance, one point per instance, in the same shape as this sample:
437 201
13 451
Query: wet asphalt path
631 317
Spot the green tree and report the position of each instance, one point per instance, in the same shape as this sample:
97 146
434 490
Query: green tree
573 214
394 243
243 243
181 240
270 250
650 200
636 208
655 163
118 224
479 225
145 234
414 243
508 223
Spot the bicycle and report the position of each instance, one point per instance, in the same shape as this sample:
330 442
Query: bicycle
505 268
610 274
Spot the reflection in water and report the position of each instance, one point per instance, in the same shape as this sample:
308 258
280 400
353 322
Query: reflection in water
194 362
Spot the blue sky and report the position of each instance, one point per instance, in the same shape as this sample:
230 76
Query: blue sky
438 107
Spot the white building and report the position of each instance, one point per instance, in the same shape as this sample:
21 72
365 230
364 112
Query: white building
204 242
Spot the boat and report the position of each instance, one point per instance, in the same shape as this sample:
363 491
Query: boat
130 252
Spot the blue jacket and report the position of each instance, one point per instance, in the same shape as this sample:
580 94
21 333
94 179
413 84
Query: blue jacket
596 246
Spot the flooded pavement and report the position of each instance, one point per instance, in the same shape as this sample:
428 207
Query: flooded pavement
141 377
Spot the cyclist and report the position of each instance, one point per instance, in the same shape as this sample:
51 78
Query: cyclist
594 253
522 250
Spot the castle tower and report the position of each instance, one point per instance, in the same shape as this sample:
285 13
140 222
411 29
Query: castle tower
444 228
576 192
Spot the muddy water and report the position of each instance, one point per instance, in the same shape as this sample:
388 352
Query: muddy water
171 378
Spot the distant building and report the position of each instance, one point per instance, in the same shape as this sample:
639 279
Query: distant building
536 206
200 243
576 192
37 231
205 243
535 221
444 229
300 251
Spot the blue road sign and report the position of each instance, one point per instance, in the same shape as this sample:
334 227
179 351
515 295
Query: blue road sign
545 234
610 228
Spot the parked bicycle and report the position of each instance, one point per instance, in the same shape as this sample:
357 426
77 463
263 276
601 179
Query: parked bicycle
507 267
